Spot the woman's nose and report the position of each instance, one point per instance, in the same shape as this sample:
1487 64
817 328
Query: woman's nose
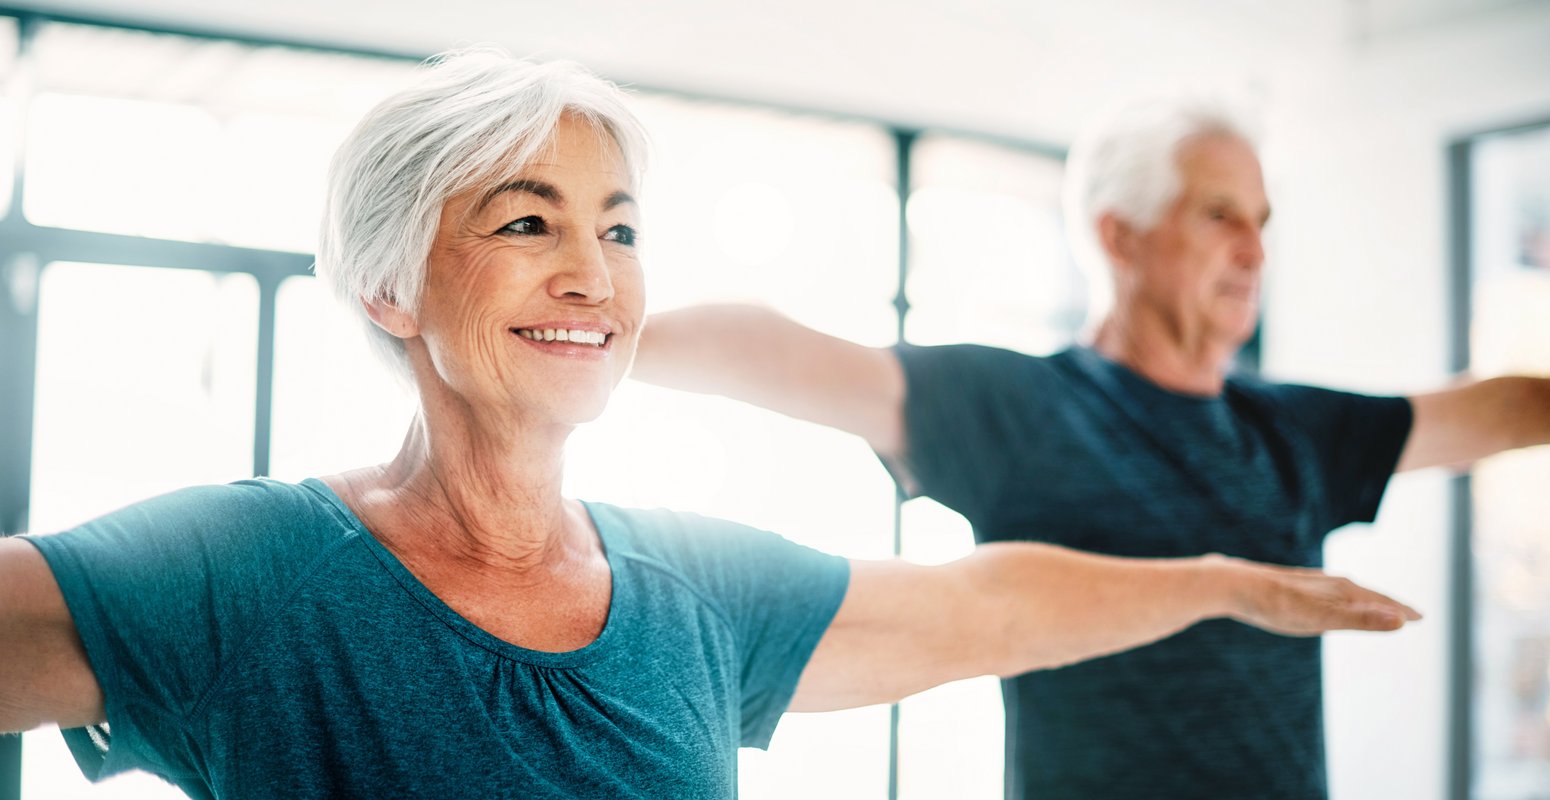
583 272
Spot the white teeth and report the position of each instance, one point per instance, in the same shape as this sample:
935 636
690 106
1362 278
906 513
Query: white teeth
595 338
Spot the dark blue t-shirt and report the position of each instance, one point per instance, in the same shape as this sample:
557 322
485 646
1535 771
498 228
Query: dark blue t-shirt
1079 451
255 641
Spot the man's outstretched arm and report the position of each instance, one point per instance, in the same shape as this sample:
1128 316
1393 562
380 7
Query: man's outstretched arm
756 355
1013 607
1458 426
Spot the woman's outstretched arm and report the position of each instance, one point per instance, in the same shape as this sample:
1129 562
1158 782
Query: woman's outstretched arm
1015 607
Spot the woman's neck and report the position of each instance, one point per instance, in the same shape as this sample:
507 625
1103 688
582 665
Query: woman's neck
486 497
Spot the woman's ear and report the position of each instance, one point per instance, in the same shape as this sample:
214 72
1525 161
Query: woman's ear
389 317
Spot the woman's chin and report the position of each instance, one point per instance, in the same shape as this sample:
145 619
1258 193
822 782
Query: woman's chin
577 408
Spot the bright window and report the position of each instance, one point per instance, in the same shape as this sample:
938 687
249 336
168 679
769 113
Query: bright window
145 384
336 407
989 261
1510 334
179 138
7 111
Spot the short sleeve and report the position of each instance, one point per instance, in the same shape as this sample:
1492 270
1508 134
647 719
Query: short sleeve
1356 443
779 597
161 593
959 421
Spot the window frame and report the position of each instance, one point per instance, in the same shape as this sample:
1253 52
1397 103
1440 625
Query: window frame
1460 155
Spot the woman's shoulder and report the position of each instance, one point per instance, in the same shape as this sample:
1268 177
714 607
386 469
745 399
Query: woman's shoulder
243 521
662 532
256 502
698 546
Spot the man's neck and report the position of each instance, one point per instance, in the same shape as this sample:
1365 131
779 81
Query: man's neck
1166 355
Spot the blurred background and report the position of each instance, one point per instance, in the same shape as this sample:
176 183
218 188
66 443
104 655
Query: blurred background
875 170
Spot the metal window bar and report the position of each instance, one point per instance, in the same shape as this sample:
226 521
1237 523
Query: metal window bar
904 150
1461 568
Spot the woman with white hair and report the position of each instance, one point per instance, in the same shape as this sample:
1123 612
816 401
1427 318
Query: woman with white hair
447 624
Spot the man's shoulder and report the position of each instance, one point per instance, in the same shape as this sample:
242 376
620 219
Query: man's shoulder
1290 396
977 363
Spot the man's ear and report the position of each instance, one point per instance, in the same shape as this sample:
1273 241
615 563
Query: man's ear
1117 238
389 317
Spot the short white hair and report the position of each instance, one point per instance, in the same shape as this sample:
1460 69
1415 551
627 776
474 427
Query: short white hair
1127 163
471 120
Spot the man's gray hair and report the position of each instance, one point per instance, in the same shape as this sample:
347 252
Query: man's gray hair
471 120
1127 164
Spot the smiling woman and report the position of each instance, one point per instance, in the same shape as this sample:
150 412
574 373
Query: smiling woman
448 624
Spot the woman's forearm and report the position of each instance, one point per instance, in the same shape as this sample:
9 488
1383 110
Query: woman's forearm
1058 606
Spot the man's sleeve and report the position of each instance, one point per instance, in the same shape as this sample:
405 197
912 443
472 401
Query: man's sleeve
1356 441
960 419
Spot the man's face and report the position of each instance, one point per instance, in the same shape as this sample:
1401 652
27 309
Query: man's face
1199 266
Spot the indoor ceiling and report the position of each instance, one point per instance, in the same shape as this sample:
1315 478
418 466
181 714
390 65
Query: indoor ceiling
1021 69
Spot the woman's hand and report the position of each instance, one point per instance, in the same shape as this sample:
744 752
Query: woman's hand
1295 601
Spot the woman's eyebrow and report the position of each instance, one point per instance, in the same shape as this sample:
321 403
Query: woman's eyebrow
618 199
541 189
549 192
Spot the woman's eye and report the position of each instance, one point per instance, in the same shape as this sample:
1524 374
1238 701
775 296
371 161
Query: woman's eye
527 226
623 234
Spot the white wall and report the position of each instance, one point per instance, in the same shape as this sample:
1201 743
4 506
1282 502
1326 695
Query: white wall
1357 298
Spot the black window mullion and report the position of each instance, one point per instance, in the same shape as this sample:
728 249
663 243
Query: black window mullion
1461 564
904 148
263 402
19 275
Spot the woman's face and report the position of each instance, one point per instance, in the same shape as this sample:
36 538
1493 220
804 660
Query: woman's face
533 298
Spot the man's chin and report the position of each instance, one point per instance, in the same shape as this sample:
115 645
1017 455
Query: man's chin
1238 328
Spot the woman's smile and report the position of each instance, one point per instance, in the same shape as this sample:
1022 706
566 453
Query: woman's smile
573 340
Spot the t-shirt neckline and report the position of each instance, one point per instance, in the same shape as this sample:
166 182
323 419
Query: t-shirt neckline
618 594
1094 361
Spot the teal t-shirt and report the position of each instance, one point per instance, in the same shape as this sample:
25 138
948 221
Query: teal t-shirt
254 640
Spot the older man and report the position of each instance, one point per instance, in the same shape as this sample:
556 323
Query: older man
1140 444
